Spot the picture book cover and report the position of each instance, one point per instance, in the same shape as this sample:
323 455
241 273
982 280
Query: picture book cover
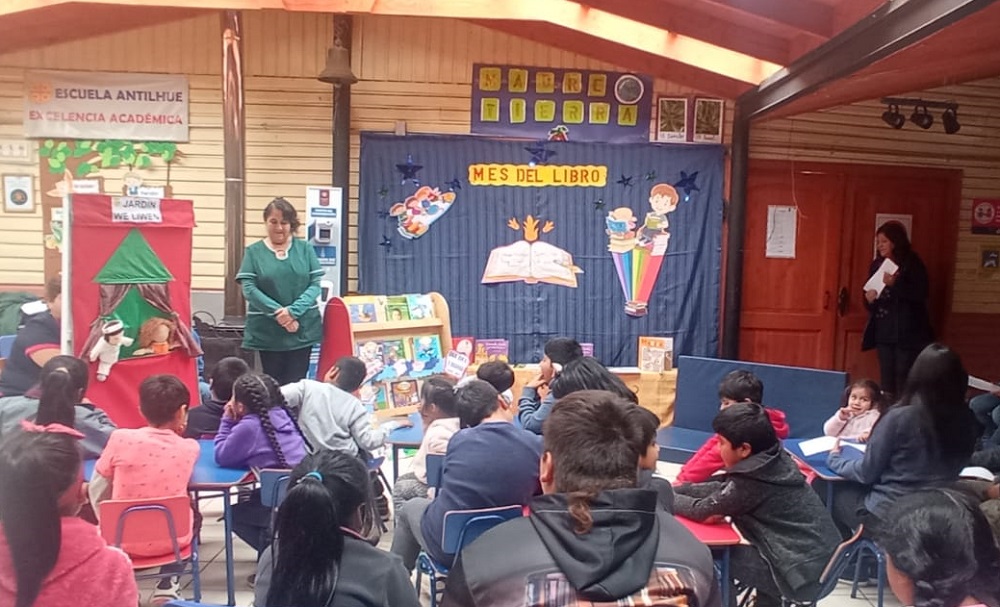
420 306
656 353
393 351
404 393
456 364
588 349
370 353
492 349
362 309
426 348
465 345
396 308
373 396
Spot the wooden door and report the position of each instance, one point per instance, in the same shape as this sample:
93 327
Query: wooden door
930 198
788 307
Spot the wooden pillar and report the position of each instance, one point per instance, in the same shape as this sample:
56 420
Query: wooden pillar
234 151
342 29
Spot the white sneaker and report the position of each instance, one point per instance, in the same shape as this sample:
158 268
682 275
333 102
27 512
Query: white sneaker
162 596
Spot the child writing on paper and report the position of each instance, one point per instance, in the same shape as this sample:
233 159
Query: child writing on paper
860 408
150 462
49 556
257 431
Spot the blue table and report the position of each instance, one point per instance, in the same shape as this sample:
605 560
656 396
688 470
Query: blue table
677 445
405 438
817 462
209 476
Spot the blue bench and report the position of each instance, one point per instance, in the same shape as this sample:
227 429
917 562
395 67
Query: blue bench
807 397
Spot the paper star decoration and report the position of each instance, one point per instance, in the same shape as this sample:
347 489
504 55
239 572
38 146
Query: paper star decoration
539 154
409 170
454 184
687 184
650 176
599 204
625 181
385 242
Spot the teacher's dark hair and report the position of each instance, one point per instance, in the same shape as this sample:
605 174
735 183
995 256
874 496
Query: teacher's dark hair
327 489
288 212
36 468
938 382
942 542
896 233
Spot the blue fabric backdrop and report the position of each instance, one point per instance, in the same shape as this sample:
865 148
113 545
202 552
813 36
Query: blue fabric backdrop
451 256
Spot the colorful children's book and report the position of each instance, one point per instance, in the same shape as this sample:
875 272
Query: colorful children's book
393 351
492 349
426 348
656 353
420 306
465 345
588 349
396 308
362 309
456 364
370 353
373 396
404 393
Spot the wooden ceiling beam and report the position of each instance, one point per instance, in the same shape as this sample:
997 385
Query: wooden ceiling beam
697 24
624 57
809 16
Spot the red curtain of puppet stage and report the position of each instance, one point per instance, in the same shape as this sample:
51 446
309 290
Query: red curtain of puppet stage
132 263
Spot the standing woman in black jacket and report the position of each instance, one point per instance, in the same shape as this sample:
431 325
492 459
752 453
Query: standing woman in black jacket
899 325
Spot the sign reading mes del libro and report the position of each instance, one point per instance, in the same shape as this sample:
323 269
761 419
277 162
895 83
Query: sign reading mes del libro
103 105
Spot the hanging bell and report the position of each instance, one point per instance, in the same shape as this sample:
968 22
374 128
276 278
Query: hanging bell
338 67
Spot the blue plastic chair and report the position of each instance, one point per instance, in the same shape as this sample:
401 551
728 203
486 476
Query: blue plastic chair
867 545
273 489
461 528
435 470
6 344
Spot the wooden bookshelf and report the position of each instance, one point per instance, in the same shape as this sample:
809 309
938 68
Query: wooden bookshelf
341 336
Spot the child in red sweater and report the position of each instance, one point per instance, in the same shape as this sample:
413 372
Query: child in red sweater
736 387
49 557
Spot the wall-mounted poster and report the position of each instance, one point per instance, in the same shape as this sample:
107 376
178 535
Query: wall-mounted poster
708 119
561 104
986 216
18 194
671 119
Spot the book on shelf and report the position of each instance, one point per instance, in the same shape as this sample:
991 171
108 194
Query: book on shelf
465 345
425 348
370 353
656 353
404 393
394 350
421 306
373 396
362 310
397 308
587 349
492 349
456 364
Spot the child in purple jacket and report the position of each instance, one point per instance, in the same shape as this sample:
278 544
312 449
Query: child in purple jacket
257 432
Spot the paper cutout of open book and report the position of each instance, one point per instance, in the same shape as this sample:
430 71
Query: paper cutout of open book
531 262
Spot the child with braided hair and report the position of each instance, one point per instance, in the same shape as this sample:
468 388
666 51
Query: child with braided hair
257 431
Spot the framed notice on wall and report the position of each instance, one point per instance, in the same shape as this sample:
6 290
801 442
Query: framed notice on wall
986 216
561 104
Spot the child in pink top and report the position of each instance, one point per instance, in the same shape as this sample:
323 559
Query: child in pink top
860 408
150 462
49 556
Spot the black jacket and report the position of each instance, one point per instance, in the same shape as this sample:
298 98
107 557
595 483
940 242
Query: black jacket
899 316
775 510
540 560
204 419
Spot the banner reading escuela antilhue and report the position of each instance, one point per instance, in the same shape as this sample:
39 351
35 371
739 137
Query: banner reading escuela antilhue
105 105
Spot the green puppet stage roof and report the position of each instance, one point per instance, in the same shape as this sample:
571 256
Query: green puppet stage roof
133 262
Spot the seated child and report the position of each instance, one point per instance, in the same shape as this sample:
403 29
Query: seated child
62 384
593 538
50 557
320 556
331 416
941 551
533 408
736 387
257 432
489 463
150 462
204 420
499 375
587 373
647 424
439 416
790 532
860 408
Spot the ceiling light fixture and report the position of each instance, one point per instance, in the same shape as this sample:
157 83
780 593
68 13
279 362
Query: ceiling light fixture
893 117
921 118
949 119
921 115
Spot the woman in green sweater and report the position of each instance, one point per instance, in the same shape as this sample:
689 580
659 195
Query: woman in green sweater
280 276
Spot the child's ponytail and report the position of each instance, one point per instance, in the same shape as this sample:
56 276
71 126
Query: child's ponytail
327 490
36 468
63 381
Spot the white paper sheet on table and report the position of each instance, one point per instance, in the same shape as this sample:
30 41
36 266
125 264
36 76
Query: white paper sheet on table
876 283
817 445
982 384
859 446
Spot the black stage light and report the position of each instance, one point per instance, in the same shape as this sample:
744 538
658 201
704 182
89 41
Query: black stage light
949 118
893 117
921 118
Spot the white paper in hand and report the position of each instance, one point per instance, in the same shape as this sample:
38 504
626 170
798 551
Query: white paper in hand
982 384
876 282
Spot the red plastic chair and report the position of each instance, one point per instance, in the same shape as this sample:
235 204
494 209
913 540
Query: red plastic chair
153 533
